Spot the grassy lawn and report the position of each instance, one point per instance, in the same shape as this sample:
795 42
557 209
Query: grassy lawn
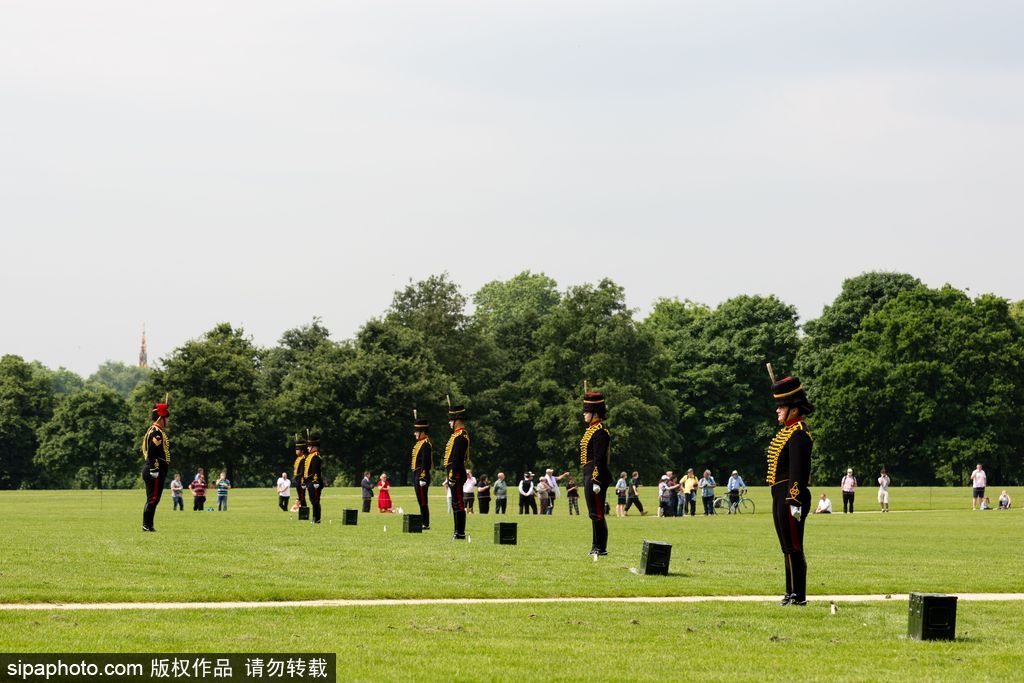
83 546
722 641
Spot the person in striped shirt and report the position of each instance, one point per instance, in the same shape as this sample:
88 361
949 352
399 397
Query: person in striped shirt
223 484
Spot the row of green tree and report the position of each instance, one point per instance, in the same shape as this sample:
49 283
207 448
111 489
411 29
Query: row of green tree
924 381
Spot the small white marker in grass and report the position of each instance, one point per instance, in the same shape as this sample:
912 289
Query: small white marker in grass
385 528
632 570
469 538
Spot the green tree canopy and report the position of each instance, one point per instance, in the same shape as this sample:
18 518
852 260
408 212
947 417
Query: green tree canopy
931 384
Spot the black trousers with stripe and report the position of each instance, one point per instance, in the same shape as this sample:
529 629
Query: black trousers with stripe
791 537
595 510
422 499
154 491
313 491
456 480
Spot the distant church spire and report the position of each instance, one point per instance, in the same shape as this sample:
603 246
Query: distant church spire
143 359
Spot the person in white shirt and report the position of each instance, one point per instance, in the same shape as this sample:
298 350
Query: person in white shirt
849 486
284 491
467 490
978 481
553 491
824 506
1004 501
883 490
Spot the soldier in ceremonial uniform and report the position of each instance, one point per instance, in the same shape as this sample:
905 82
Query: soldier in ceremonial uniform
299 471
156 451
422 462
456 459
595 458
789 470
312 474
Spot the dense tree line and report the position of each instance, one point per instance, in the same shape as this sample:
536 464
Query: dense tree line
924 381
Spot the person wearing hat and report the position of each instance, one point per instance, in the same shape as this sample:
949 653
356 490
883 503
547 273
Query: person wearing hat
156 451
312 475
595 458
298 471
422 462
789 469
456 458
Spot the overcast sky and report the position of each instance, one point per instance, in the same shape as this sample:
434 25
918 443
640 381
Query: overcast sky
186 163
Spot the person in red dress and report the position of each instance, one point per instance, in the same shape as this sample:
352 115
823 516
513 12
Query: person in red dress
384 496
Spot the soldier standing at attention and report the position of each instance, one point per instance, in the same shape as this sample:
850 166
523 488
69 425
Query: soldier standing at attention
422 462
156 451
456 458
595 458
299 469
312 475
789 469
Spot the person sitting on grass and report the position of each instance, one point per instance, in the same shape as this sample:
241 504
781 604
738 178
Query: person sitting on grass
985 505
1004 501
824 506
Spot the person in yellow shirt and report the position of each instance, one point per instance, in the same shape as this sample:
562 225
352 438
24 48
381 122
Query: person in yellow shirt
689 494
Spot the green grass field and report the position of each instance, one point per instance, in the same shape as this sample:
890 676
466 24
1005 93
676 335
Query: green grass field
84 546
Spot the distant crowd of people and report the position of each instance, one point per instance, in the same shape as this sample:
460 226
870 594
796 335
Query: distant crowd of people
677 496
198 489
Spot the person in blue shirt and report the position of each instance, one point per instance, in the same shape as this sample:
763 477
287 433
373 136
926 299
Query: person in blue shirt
735 487
707 487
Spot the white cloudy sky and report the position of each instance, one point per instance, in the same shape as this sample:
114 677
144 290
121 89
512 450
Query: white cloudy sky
185 163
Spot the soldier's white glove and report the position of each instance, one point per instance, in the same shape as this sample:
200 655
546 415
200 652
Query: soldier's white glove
316 486
154 473
597 488
796 511
423 483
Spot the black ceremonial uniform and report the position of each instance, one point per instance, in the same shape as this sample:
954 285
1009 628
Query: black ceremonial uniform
299 471
156 452
789 471
595 459
312 476
456 458
422 463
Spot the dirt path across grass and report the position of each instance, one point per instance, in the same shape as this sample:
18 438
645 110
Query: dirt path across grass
68 606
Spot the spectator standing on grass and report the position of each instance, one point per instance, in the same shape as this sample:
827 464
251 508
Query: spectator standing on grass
500 489
663 496
527 501
620 495
176 498
707 492
735 487
572 494
553 490
689 486
545 495
673 494
633 494
483 493
1004 501
824 506
979 481
384 494
223 485
367 488
284 491
468 487
849 486
198 489
883 490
